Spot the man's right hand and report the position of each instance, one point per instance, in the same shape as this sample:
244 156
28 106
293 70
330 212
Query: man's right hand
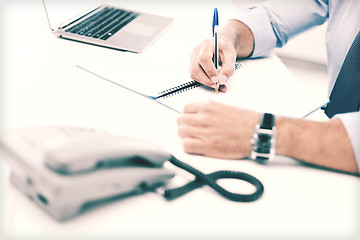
235 40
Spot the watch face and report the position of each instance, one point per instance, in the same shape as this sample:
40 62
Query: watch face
264 139
268 121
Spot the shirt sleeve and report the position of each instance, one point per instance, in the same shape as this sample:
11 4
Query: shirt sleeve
273 23
351 122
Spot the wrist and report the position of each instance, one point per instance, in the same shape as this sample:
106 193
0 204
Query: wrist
240 36
285 135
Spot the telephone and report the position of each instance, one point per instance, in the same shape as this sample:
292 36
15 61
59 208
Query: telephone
62 168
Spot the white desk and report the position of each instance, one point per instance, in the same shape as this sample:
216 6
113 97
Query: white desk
40 85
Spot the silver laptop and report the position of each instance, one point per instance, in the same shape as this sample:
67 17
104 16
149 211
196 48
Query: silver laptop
106 25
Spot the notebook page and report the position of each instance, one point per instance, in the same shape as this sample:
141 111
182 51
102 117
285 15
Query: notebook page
262 85
142 72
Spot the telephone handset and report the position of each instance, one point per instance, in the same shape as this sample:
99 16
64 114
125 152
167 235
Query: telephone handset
64 168
96 151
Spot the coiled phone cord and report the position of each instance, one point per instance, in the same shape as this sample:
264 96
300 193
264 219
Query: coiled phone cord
210 180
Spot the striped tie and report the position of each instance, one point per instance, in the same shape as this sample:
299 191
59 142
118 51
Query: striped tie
345 96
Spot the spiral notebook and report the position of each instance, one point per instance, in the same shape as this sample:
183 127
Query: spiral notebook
163 97
262 85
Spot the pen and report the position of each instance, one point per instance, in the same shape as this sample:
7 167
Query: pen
215 25
323 106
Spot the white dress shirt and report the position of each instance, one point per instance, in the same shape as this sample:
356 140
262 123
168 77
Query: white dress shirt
273 23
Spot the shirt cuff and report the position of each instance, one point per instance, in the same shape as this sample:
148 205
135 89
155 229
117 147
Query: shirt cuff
351 122
265 40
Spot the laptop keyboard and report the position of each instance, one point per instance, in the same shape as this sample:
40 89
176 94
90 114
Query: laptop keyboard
103 24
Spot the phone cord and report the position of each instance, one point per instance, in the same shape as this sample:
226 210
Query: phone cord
210 180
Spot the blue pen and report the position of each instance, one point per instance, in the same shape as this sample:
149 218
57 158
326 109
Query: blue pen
215 25
323 106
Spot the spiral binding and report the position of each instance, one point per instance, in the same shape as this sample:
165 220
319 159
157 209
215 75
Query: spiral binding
238 65
178 89
185 87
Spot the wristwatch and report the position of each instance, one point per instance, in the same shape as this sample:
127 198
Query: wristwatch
264 139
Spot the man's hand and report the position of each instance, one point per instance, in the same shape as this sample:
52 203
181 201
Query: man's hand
202 67
217 130
235 40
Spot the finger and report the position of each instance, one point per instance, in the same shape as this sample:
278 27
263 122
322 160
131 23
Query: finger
198 74
223 88
193 146
196 70
185 131
228 57
191 119
186 119
205 60
193 107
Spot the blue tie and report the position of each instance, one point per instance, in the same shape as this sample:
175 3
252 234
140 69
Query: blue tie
345 96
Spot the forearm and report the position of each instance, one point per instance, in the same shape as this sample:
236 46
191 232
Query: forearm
240 37
227 132
324 144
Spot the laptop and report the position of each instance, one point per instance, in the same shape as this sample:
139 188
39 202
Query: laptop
106 25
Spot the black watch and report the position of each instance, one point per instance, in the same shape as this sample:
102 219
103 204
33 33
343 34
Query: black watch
263 141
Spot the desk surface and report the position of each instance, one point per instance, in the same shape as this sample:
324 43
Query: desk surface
41 86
